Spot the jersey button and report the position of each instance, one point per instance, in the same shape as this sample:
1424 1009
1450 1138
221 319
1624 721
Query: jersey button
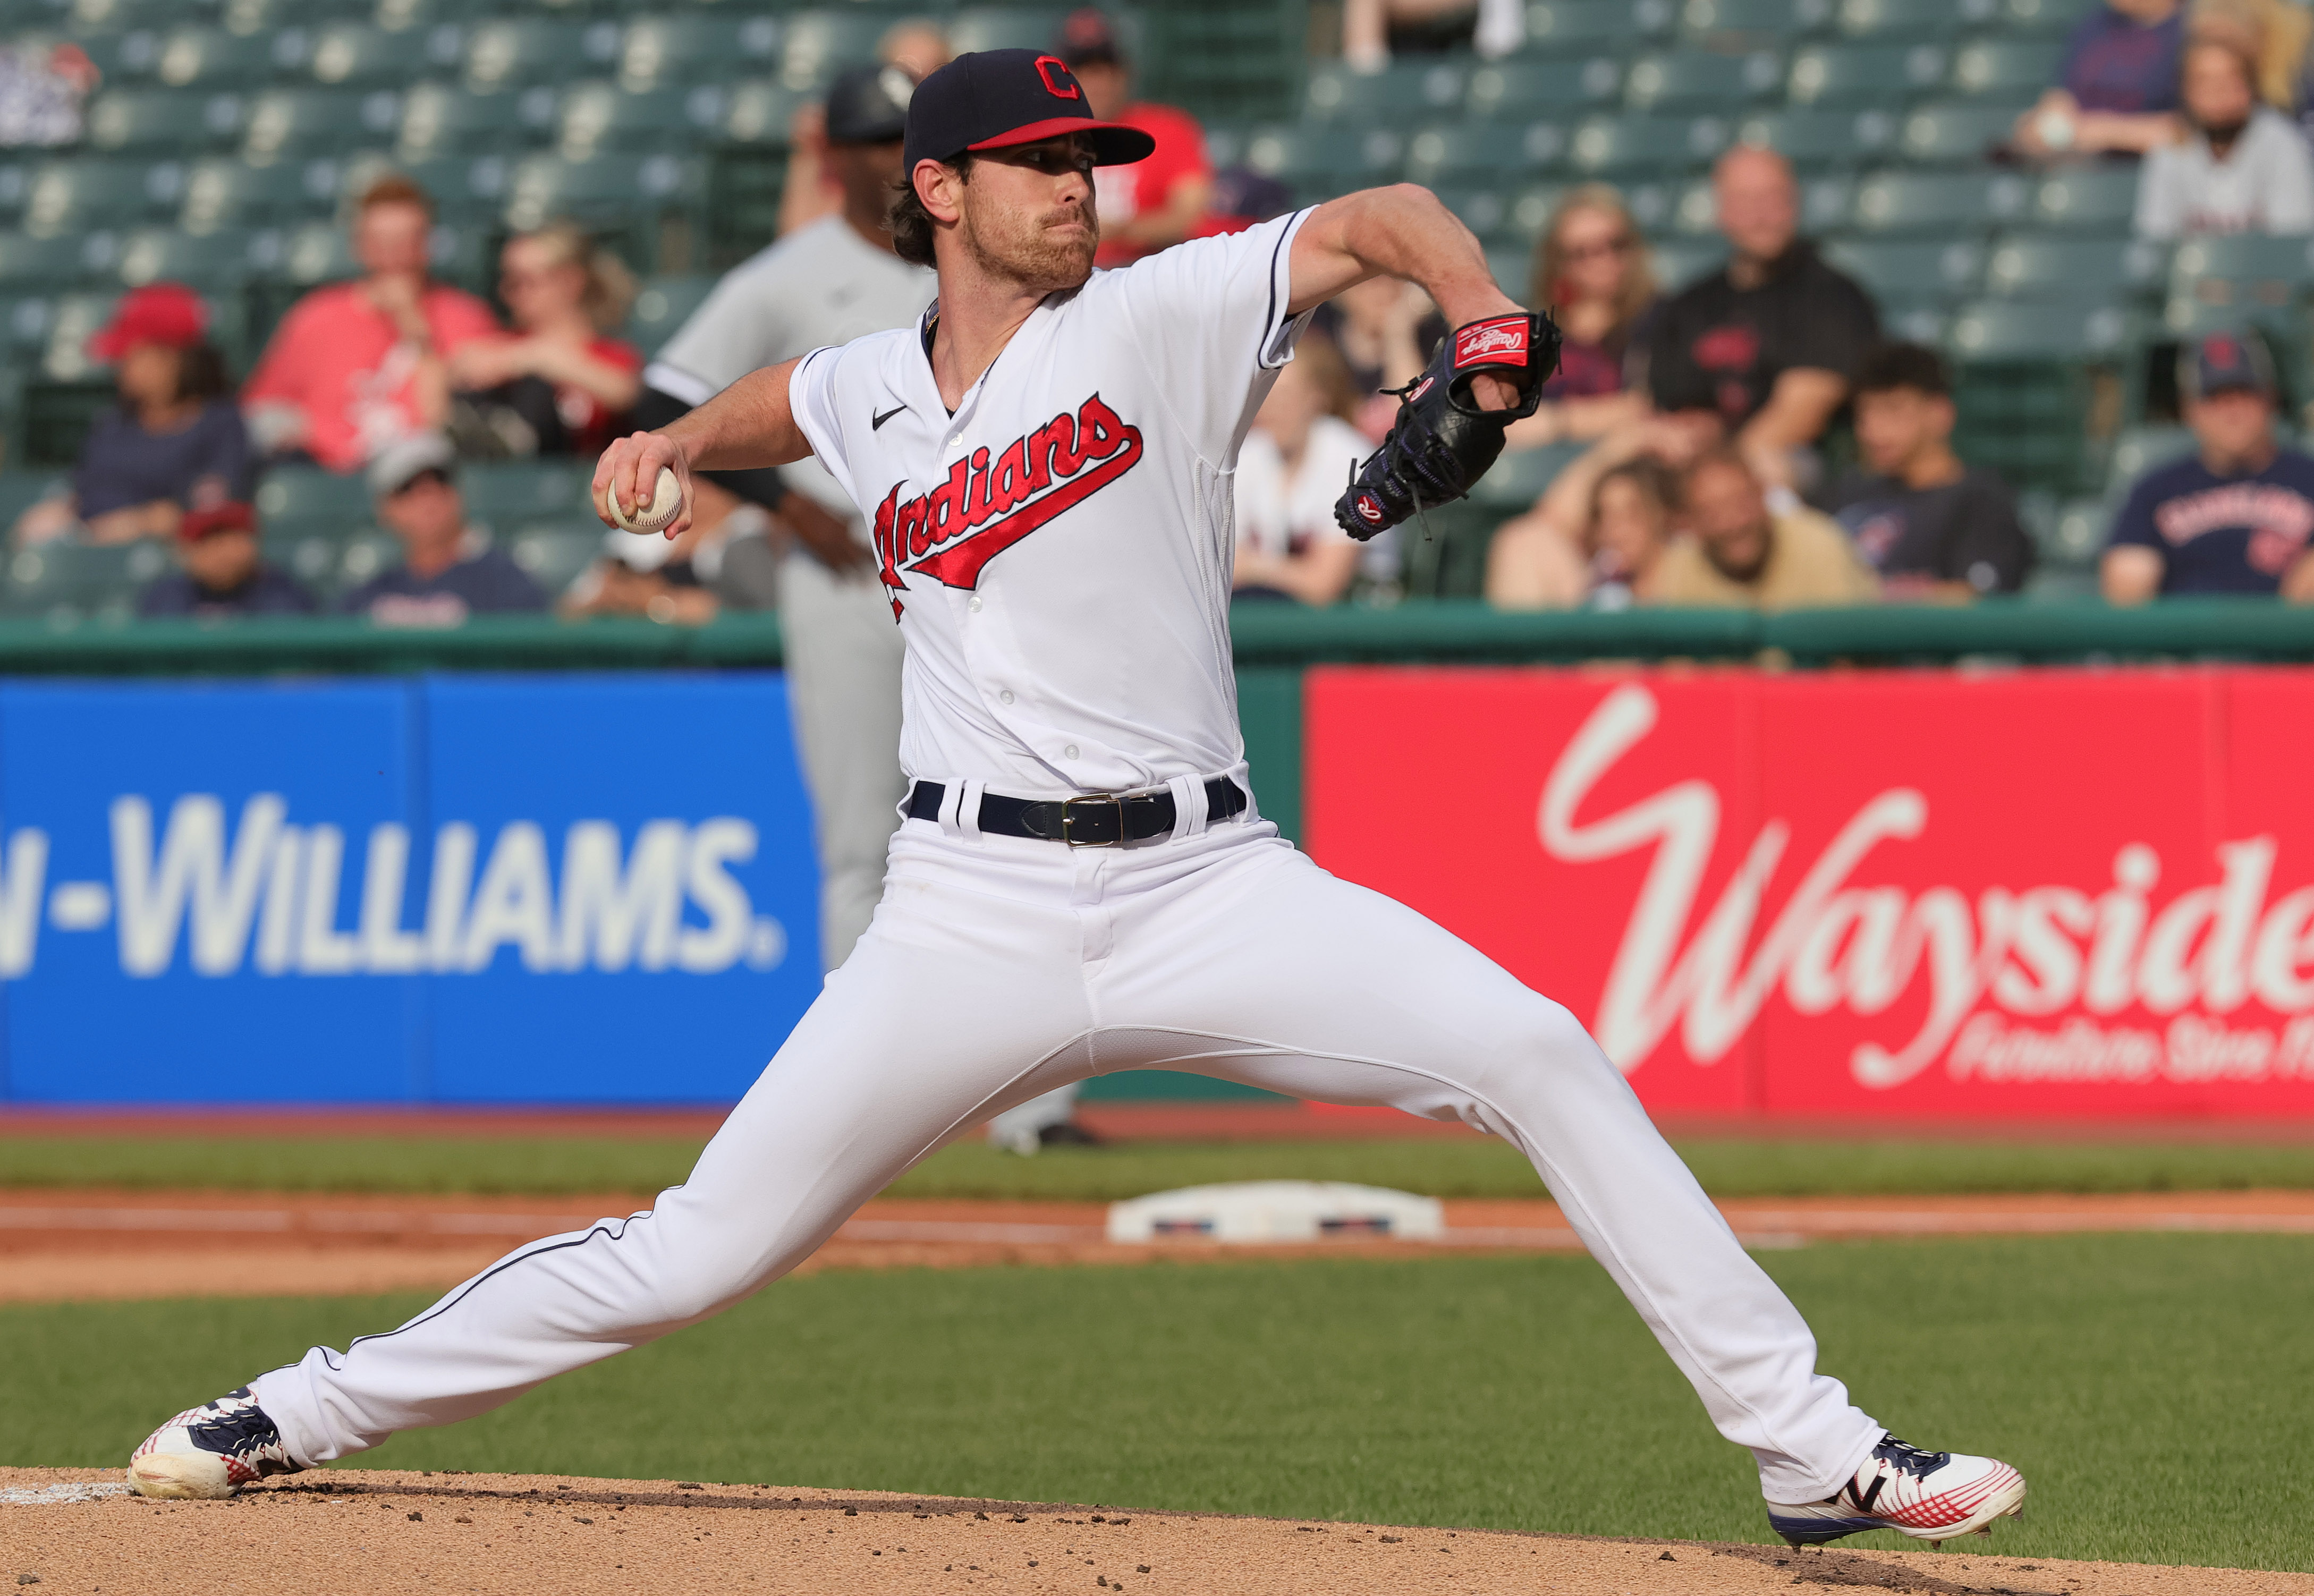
1006 696
973 603
1069 752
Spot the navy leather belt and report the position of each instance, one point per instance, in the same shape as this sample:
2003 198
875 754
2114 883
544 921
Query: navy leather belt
1103 820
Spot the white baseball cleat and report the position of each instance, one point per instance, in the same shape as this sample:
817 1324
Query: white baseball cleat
1931 1496
210 1450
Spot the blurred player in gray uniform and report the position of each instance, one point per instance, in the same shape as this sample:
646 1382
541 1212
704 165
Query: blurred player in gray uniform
827 283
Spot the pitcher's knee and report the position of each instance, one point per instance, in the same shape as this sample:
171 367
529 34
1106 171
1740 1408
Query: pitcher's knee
1546 1037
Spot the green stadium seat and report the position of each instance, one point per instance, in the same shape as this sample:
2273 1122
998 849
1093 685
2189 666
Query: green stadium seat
1404 89
509 53
1481 151
601 189
1754 20
358 559
213 264
69 581
819 44
275 16
1994 332
1559 27
596 117
2139 450
302 123
1915 323
311 557
1702 80
1530 211
162 121
225 193
26 261
1952 135
305 499
347 55
20 490
2061 267
437 120
2098 199
2243 269
2044 18
661 306
1681 261
1819 137
1914 203
1512 266
465 188
502 494
2073 538
1915 19
93 19
1485 211
2010 68
1319 159
1005 27
1518 477
1918 273
1614 147
213 58
305 257
761 112
1542 88
554 556
673 51
77 197
24 327
1690 210
1865 75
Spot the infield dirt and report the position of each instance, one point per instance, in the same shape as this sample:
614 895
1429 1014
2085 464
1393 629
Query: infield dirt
375 1531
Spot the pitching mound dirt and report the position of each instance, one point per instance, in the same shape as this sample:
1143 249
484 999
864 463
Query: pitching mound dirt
342 1530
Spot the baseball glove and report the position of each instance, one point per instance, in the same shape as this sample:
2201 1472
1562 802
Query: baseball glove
1442 442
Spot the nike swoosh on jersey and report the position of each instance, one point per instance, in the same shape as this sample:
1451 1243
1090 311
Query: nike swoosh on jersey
876 423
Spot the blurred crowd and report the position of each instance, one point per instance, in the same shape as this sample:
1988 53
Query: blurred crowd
1748 437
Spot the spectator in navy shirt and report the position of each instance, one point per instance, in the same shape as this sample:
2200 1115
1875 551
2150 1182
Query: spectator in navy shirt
174 443
2116 92
446 573
1930 525
2232 518
224 576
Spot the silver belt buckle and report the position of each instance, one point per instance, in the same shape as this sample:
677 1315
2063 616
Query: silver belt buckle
1113 800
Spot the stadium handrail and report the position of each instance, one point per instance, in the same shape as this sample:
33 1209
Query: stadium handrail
1265 634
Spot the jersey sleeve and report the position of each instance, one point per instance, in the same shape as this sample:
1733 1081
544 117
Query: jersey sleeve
1209 318
2134 523
811 399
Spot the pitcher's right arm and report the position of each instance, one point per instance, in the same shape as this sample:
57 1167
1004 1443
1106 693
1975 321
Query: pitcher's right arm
751 423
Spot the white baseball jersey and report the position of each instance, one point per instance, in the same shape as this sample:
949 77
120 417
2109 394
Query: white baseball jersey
1058 550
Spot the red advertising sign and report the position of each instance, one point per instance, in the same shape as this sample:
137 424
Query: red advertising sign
2031 895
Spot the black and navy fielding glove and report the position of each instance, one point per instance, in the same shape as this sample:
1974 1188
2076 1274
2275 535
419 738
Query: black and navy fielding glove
1442 443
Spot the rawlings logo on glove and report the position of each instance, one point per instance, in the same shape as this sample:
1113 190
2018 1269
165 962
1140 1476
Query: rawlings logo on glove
1442 442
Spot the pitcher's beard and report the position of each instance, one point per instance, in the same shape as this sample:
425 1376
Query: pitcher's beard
1035 258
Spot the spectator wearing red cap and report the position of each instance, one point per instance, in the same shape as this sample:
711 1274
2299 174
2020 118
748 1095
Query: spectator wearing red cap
174 443
224 576
1151 203
355 366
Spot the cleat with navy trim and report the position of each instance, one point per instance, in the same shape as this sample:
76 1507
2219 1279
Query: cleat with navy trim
210 1450
1931 1496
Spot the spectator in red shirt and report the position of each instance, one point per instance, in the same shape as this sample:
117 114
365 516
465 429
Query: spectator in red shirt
1154 203
355 366
560 383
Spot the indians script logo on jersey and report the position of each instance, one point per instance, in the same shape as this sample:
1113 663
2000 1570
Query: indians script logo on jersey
990 502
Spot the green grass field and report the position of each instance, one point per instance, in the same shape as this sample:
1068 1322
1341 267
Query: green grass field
2158 1390
1458 1168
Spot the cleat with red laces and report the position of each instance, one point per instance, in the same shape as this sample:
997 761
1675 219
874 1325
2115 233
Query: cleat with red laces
1931 1496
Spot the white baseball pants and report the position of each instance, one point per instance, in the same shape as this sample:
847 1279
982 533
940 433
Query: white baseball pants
997 968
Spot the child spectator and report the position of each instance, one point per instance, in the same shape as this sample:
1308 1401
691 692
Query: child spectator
1291 469
2233 518
223 575
1150 204
2118 88
560 383
174 442
1593 274
1768 343
1611 565
1931 526
2242 167
355 366
1737 552
446 573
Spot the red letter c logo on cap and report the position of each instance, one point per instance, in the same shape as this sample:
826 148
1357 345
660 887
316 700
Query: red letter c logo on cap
1059 80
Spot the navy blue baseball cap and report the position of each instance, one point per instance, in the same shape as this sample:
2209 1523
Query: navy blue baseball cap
870 105
2226 363
992 100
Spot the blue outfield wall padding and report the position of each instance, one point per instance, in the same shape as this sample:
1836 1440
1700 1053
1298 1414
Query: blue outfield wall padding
546 889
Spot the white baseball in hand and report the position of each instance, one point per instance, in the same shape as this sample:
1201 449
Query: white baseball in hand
667 503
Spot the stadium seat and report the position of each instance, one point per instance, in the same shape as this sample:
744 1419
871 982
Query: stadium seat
661 306
20 490
211 263
2095 200
2244 268
601 190
24 326
1754 21
673 51
1681 261
1952 135
1485 211
2138 450
596 117
1530 212
317 253
761 112
162 121
1481 153
347 56
1005 27
67 581
1864 74
26 261
1819 137
311 557
1917 273
437 120
819 44
553 556
1405 90
506 492
1513 88
1321 160
1520 475
304 122
2044 18
2010 68
1700 80
1610 147
358 559
2061 267
2002 330
225 193
77 197
510 53
1915 19
1559 27
1914 203
213 58
465 188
